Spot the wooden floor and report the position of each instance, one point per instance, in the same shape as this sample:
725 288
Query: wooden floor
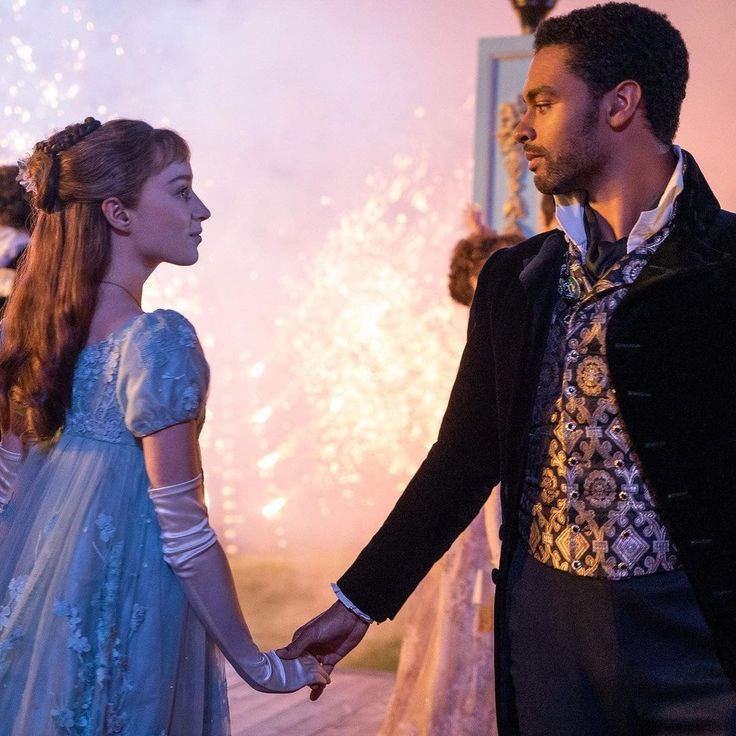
353 705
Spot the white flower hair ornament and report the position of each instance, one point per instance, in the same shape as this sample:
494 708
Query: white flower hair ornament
52 147
24 177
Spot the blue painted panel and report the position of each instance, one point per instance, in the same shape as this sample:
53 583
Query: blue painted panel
502 66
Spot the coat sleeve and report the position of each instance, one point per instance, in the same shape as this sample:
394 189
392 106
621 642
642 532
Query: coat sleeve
449 488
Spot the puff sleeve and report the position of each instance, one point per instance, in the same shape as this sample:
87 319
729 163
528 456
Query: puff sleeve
163 375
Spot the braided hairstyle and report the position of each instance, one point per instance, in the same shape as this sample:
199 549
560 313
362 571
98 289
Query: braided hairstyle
48 315
46 153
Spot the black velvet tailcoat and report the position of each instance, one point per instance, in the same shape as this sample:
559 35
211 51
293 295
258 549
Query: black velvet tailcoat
671 347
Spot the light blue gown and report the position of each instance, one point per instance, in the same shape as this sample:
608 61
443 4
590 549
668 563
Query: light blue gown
96 636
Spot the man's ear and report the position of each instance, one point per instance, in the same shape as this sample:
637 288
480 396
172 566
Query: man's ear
116 213
623 102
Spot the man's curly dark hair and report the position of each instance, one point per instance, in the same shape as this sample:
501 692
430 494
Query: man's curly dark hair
14 208
613 42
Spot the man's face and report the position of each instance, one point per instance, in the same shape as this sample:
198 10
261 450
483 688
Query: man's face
560 129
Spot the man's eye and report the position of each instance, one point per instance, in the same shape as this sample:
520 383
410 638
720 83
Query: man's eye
543 106
185 193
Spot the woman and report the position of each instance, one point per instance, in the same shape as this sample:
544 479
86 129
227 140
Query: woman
102 631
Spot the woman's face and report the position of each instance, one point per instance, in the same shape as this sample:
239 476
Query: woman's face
166 224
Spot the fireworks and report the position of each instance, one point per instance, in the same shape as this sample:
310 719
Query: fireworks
43 72
367 350
309 439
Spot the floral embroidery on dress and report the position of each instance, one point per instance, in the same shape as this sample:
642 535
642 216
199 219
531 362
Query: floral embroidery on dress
16 586
63 718
76 641
8 639
104 524
137 617
160 343
165 337
108 667
6 644
190 398
95 410
187 336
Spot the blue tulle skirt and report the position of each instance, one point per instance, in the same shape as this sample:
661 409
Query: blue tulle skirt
96 636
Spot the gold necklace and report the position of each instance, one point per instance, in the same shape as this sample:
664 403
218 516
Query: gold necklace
120 286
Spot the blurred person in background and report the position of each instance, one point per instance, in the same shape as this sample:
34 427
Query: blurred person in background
444 681
15 216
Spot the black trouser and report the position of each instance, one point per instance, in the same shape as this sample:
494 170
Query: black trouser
613 658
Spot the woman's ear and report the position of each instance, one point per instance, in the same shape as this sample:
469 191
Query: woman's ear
624 101
116 213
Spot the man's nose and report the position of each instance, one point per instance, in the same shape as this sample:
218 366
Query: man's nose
523 132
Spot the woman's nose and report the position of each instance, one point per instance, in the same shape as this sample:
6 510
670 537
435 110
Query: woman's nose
201 211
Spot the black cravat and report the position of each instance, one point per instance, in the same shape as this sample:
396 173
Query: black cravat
600 254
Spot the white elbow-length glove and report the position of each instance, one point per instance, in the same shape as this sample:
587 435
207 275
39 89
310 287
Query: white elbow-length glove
193 552
9 464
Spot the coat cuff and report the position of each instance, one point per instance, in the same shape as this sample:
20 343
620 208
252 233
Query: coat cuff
349 604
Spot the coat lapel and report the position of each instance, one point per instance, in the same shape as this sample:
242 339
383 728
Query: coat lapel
545 264
539 279
688 246
683 251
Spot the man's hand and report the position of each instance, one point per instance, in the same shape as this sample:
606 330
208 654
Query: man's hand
328 637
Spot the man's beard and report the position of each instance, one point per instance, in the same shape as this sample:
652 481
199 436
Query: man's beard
575 164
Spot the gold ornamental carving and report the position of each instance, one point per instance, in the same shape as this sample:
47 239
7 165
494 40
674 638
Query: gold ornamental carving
514 211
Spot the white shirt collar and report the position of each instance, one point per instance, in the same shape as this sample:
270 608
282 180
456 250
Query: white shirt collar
570 213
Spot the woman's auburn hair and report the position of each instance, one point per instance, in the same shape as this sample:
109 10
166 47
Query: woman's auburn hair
48 315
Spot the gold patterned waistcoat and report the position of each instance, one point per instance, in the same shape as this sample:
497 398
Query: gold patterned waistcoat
586 508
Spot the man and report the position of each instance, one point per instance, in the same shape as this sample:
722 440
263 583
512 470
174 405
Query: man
598 385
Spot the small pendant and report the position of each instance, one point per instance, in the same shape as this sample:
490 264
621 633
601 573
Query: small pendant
570 289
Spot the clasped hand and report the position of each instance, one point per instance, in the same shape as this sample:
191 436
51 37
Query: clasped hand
328 637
